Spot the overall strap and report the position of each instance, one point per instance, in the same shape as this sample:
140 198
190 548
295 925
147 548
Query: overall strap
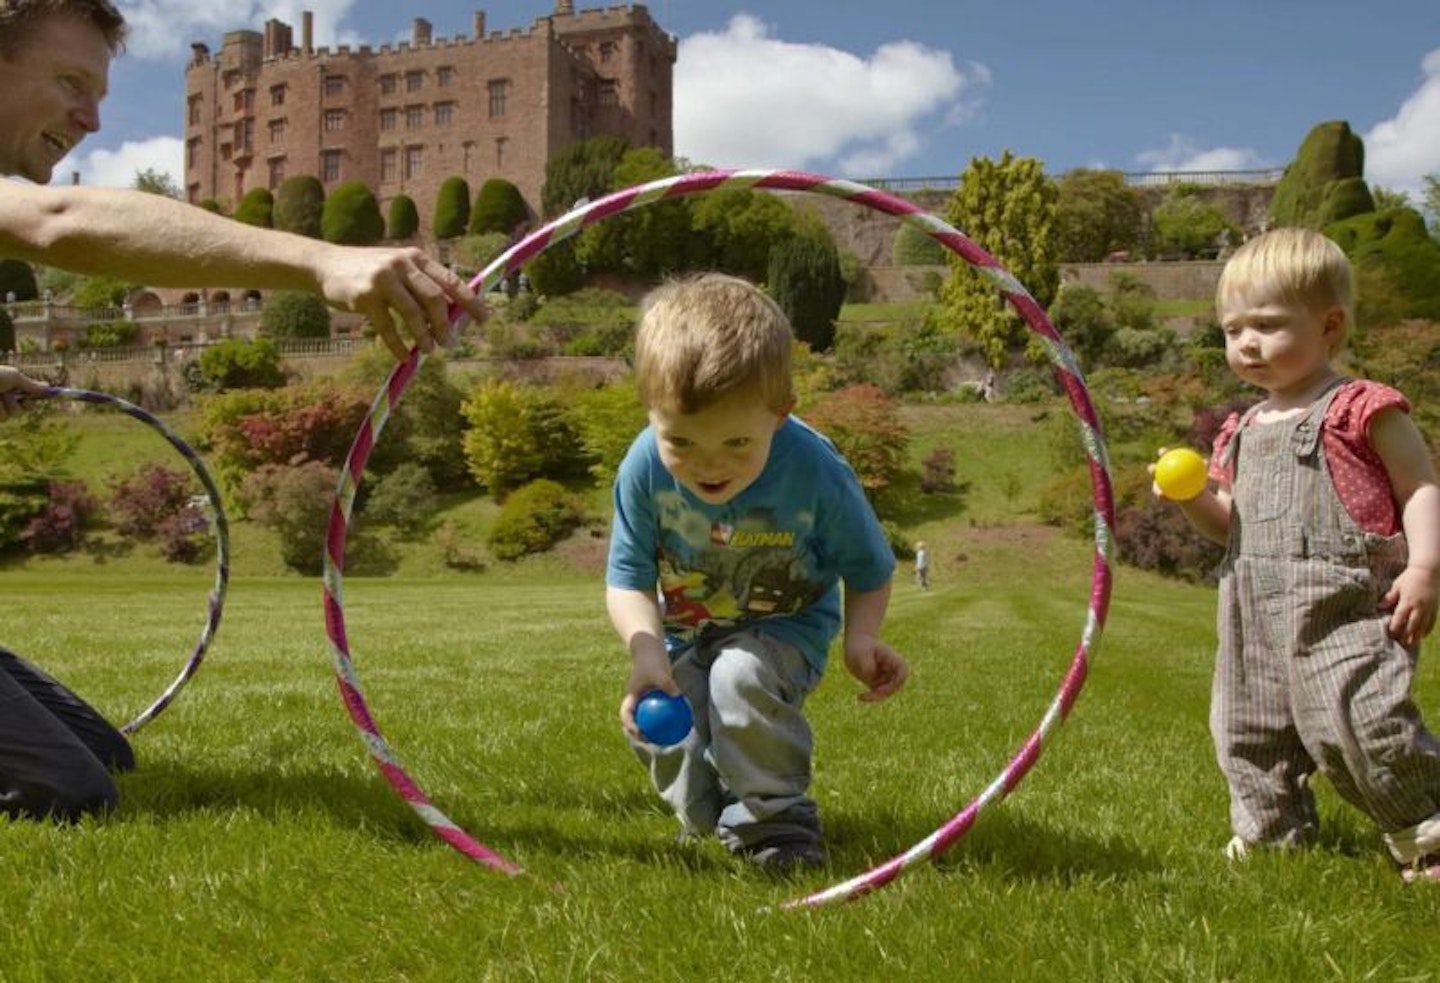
1306 438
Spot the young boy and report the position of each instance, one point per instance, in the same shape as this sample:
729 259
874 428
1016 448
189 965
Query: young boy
735 525
1326 498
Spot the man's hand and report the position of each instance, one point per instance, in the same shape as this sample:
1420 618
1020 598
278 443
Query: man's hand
14 387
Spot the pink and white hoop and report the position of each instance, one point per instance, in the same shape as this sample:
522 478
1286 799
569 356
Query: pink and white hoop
1067 373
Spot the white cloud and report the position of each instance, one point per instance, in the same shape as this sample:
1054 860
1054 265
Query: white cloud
746 99
162 29
1401 150
117 168
1184 154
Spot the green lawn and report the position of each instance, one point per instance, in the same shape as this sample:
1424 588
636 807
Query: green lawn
258 841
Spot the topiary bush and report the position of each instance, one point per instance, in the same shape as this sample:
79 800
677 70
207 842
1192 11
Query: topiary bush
299 205
291 314
452 209
403 220
534 518
1330 153
499 207
804 278
239 364
351 216
257 208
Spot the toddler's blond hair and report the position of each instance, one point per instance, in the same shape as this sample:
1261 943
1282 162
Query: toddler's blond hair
706 337
1299 266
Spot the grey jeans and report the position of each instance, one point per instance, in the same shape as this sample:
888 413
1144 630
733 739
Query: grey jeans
744 771
56 752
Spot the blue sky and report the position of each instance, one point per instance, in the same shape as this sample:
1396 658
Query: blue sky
916 88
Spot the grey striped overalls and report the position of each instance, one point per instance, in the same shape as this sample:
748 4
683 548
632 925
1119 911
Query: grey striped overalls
1306 675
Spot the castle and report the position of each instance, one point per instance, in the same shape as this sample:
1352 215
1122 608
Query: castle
404 117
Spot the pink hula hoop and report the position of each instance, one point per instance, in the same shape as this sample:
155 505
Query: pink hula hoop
1066 370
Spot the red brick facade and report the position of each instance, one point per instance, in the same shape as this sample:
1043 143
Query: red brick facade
404 117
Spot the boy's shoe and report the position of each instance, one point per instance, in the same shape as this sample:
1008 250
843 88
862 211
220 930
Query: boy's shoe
1427 868
786 857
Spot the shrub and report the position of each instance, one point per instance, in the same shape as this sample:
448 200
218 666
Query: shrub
865 425
16 277
108 334
295 314
517 433
533 519
1156 536
317 422
142 501
804 278
499 207
937 471
60 526
452 209
299 205
556 271
404 219
351 216
914 246
238 364
404 498
257 208
295 502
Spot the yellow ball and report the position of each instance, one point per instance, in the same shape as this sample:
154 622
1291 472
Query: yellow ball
1180 474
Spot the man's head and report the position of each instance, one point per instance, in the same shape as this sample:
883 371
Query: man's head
706 337
54 71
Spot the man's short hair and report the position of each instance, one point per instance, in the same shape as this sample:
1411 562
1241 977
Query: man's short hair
18 19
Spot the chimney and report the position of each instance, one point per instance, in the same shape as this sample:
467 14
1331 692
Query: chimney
420 31
565 8
307 32
479 25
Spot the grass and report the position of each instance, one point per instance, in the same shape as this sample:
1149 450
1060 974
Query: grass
258 841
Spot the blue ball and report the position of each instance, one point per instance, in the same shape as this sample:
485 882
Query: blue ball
663 719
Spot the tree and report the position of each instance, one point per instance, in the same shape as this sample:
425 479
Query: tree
1325 182
157 183
404 218
1079 315
239 364
517 433
499 207
580 171
295 314
865 425
1185 224
804 278
452 208
1096 214
299 205
351 216
1008 209
1432 202
738 229
257 207
913 246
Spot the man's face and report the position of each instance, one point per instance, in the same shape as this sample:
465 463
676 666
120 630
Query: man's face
50 92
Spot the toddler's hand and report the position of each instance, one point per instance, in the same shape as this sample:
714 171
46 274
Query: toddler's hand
877 665
1412 601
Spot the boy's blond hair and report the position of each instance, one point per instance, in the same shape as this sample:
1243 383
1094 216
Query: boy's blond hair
1300 266
706 337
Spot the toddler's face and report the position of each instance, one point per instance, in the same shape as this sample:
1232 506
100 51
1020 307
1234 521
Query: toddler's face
1282 346
719 451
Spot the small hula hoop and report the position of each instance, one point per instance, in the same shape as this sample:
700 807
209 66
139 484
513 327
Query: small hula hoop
221 525
1066 371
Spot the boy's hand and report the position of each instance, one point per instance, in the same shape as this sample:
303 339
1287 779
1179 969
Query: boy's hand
877 665
1412 600
644 677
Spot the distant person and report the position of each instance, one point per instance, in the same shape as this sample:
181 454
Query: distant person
735 525
922 566
54 70
1325 496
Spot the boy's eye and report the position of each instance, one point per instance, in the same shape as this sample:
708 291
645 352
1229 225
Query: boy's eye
738 442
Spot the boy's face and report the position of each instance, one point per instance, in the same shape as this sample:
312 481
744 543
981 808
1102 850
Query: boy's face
53 86
717 452
1280 345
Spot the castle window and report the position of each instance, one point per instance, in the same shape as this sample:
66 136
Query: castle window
444 75
499 91
334 85
192 153
277 172
245 100
194 106
277 131
608 92
500 152
334 120
607 52
414 81
414 117
329 165
388 118
277 95
444 113
388 162
414 161
387 84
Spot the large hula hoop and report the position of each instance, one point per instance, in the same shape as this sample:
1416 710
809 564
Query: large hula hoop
221 525
1066 371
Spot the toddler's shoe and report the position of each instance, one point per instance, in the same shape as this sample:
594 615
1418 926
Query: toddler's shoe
1427 868
786 857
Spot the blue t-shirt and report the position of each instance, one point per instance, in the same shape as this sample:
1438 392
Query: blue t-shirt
776 552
